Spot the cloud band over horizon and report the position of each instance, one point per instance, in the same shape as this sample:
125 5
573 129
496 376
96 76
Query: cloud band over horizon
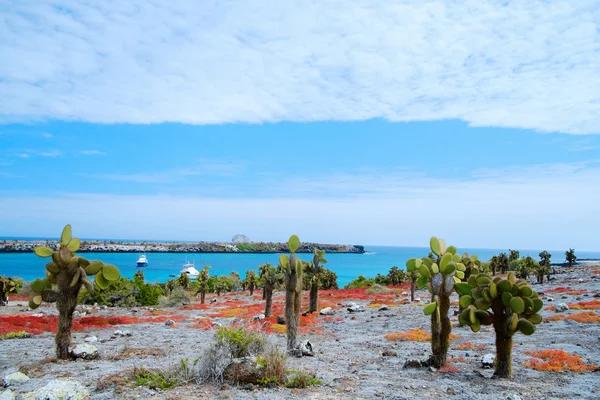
531 65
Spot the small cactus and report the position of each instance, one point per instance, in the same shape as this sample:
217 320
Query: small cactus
251 281
7 286
292 268
439 272
508 304
269 278
65 275
203 283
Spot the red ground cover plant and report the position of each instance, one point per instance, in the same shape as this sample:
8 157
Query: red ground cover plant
37 325
203 323
566 290
557 361
465 346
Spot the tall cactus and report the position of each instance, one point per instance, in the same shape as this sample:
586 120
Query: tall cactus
269 278
7 286
439 277
203 283
293 269
65 275
316 270
510 305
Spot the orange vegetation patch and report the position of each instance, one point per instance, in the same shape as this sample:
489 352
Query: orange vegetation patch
567 290
586 317
465 346
202 323
585 305
555 317
415 335
36 325
448 368
557 361
550 308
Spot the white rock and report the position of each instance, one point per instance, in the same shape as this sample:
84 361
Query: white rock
487 361
14 379
259 317
91 339
327 311
383 307
355 308
118 333
85 351
62 389
513 396
7 395
170 322
560 307
127 333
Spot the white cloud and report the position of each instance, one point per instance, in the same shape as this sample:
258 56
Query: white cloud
538 207
92 153
526 64
39 153
202 167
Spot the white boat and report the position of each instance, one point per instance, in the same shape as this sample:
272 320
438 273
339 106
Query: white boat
142 261
188 268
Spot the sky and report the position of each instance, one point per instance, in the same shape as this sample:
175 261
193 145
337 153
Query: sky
364 122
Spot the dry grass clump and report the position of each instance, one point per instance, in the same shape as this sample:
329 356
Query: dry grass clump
557 361
378 289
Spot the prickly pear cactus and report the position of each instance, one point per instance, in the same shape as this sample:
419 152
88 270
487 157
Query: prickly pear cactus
439 274
7 286
65 275
293 269
508 304
316 270
269 278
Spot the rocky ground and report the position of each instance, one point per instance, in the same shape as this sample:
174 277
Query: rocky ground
353 358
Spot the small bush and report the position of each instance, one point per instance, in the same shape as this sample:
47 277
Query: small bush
177 298
230 342
273 362
301 379
241 341
378 289
153 379
360 282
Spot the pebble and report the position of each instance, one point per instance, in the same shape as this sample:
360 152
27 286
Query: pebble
170 322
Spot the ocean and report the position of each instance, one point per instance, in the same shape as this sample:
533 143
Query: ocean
378 259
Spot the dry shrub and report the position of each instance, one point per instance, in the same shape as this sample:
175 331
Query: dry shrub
557 361
378 289
139 353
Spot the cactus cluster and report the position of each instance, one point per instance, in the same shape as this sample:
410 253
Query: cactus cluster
7 286
293 269
509 304
203 283
439 272
65 275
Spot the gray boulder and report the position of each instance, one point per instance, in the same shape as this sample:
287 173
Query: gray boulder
84 351
561 307
62 389
327 311
14 379
487 361
7 395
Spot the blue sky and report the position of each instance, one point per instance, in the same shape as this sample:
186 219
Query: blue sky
383 124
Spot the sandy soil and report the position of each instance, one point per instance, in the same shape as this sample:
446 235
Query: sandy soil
348 355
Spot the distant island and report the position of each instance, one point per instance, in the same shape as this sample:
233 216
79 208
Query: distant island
91 246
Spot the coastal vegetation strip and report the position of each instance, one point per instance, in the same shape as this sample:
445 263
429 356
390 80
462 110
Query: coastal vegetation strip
23 246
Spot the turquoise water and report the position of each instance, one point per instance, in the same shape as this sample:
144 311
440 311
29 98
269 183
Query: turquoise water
347 266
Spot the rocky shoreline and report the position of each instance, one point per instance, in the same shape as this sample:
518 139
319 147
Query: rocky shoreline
22 246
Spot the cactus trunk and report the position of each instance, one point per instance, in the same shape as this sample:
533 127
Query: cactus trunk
202 296
504 334
66 306
314 297
413 287
293 300
440 332
268 292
